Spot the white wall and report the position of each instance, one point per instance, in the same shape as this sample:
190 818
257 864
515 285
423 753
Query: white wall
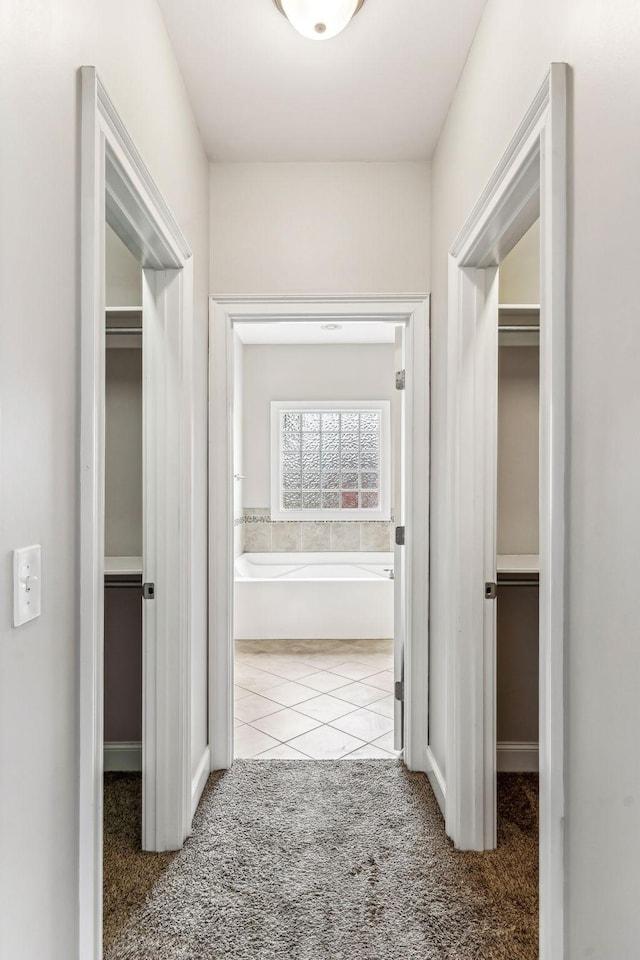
519 274
42 45
518 406
123 410
345 372
518 430
515 43
123 459
319 228
123 273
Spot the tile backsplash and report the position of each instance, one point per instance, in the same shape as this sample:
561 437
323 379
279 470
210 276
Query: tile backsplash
264 535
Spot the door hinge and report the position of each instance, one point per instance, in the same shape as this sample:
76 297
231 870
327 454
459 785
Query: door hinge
400 536
399 690
490 590
401 379
149 591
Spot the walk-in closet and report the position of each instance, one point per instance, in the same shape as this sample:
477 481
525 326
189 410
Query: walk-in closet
518 507
123 510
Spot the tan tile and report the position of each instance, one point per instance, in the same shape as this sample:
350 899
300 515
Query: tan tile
369 752
325 708
246 648
299 648
370 647
364 724
375 536
264 659
384 680
382 661
384 707
249 742
250 678
326 743
238 540
238 723
386 743
240 652
360 694
287 668
345 536
324 682
323 661
285 537
282 752
315 537
352 670
286 724
289 693
253 707
239 693
257 537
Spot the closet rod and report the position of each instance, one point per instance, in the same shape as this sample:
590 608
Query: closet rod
124 583
125 330
518 583
519 328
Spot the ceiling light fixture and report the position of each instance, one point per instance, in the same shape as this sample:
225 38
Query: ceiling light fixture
331 326
319 19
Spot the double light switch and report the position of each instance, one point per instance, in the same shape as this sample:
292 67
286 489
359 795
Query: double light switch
27 587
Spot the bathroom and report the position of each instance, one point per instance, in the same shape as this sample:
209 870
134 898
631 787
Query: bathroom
316 438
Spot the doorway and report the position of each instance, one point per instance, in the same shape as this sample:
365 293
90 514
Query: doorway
411 667
116 189
517 508
517 544
529 183
318 429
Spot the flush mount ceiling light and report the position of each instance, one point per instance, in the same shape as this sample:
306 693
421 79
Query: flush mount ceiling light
319 19
331 326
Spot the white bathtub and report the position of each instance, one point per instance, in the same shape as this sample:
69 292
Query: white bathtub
315 596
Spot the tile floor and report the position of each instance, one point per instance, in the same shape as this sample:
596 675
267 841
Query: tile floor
314 699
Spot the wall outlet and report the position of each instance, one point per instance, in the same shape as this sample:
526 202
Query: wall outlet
27 584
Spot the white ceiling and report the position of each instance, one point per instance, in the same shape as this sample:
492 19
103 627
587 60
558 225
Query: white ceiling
305 331
378 91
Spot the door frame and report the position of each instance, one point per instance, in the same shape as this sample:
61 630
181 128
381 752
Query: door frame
224 311
530 181
116 187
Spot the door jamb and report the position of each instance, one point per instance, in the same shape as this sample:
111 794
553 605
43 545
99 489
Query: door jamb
115 185
530 179
412 310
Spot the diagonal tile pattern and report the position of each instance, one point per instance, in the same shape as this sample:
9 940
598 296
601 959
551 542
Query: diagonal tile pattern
314 699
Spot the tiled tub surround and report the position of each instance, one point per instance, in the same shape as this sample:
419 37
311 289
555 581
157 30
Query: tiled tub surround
314 699
312 596
264 535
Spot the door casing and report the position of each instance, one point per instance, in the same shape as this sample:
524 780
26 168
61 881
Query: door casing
414 313
116 187
530 181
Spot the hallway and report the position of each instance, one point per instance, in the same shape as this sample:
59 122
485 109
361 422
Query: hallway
307 859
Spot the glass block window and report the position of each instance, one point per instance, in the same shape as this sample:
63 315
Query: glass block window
330 460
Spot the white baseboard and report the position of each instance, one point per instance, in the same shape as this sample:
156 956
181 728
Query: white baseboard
517 757
437 781
123 756
199 779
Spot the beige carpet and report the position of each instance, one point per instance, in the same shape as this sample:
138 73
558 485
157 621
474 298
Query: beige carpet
308 860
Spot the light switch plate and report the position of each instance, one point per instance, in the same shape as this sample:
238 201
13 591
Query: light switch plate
27 584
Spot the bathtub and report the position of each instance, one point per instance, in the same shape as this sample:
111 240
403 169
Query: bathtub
313 596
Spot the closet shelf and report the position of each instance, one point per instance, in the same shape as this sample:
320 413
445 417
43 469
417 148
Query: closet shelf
520 308
123 566
518 563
